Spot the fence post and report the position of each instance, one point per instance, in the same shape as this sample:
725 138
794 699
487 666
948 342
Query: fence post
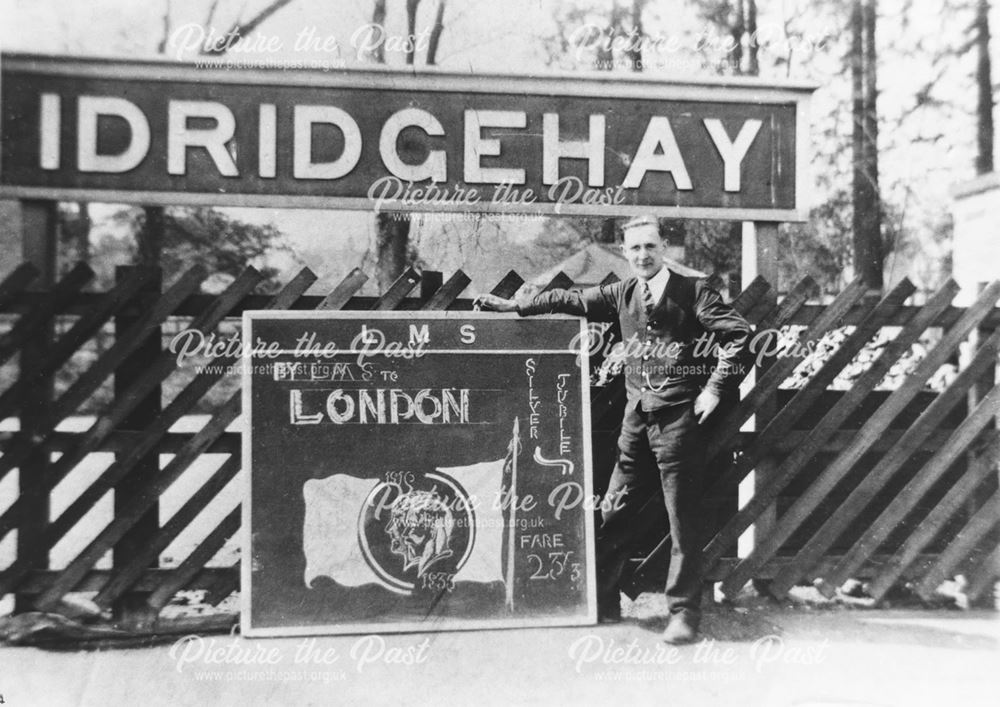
39 223
977 392
131 610
760 258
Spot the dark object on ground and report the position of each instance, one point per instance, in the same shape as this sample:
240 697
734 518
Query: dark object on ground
56 632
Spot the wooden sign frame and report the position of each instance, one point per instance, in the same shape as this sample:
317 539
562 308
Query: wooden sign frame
547 571
162 132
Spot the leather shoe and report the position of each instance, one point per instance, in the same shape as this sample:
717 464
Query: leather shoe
682 628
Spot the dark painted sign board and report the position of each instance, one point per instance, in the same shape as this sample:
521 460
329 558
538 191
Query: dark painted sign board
415 471
604 144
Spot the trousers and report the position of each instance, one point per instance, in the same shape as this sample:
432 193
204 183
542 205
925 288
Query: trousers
662 451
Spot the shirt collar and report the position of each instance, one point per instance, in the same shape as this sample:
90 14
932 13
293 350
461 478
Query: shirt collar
658 283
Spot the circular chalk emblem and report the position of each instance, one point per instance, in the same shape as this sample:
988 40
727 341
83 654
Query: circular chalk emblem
409 530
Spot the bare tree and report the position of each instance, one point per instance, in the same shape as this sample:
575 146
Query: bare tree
738 20
393 250
242 28
984 89
150 235
866 221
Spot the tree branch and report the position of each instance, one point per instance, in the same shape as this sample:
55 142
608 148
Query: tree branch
162 46
436 29
411 30
210 15
240 29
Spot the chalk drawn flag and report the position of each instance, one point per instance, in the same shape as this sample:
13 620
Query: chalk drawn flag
410 530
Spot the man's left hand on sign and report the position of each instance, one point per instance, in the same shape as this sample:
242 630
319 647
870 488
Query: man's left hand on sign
704 404
497 304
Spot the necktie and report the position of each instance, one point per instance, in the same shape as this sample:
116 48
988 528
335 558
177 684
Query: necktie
647 297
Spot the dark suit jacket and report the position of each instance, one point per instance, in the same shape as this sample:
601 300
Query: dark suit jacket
691 340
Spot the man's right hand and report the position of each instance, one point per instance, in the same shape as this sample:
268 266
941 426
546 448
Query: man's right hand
497 304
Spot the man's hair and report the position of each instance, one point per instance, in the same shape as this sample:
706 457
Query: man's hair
642 220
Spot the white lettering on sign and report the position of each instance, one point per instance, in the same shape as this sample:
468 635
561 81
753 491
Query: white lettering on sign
562 392
419 336
267 150
468 332
658 136
212 125
90 109
477 147
213 140
534 417
307 116
554 149
48 146
295 411
542 540
382 406
435 167
732 152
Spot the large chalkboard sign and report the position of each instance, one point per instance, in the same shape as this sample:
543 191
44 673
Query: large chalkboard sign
415 471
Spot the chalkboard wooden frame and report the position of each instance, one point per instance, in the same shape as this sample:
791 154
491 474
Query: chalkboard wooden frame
499 336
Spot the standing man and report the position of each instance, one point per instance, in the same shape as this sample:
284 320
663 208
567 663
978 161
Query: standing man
671 392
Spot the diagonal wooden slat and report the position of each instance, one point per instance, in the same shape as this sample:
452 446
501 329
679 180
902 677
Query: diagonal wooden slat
113 532
16 282
766 388
343 292
67 403
194 563
945 509
775 316
84 328
146 443
889 465
449 291
746 300
860 496
158 370
779 425
223 586
62 292
981 523
430 282
561 281
830 423
394 296
40 580
124 577
509 284
850 456
985 577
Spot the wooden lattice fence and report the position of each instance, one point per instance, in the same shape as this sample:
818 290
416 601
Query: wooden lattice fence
896 485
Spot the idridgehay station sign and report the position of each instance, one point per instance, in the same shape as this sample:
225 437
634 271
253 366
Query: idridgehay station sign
172 133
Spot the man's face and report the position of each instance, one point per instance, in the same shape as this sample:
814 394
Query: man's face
644 250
